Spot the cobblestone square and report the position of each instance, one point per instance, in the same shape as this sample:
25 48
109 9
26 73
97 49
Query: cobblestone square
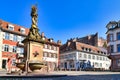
72 75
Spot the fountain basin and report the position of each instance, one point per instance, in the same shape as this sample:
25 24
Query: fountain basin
21 66
35 66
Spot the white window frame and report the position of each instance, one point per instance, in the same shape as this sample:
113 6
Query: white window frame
22 30
10 27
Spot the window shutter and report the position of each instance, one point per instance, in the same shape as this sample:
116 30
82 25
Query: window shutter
10 48
11 36
3 35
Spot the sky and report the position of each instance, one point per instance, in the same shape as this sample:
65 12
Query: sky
63 19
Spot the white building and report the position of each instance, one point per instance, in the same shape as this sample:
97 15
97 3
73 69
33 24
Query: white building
75 56
11 36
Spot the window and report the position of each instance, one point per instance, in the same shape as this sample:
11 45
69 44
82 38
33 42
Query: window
14 49
89 56
86 49
118 36
15 38
21 50
83 48
93 57
55 56
45 45
89 49
80 55
111 37
103 58
112 26
100 57
85 56
22 30
100 64
19 38
111 48
96 64
6 48
118 47
13 62
97 57
118 62
52 55
45 54
10 27
71 63
7 36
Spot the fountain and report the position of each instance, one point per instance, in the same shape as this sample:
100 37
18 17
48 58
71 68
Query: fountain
33 51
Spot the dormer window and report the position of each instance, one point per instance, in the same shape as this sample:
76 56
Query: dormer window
82 48
111 26
51 39
22 30
10 27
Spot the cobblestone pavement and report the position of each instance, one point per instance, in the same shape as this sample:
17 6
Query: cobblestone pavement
80 77
74 75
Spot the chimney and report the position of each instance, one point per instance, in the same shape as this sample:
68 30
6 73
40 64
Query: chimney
59 42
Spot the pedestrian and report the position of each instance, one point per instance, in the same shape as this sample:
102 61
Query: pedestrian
9 62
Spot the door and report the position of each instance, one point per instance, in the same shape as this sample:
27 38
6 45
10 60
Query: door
65 65
4 64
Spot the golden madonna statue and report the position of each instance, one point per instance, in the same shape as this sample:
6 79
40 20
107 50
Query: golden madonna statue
34 16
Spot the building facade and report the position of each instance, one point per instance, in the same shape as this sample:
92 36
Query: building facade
11 36
51 53
12 48
76 56
113 44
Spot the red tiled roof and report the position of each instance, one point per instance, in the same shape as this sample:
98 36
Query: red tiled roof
4 25
78 46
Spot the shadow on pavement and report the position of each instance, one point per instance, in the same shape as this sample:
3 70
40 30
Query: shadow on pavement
64 77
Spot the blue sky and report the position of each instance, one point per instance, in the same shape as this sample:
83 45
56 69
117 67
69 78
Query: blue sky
63 19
